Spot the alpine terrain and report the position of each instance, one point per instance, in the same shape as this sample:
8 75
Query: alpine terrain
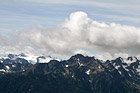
79 74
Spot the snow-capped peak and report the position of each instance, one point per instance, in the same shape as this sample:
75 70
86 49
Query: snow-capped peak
129 66
129 60
30 58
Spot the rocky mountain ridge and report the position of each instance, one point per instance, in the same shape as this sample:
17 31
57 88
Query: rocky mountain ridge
78 74
21 62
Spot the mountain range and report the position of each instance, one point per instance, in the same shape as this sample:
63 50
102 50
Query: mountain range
79 74
21 62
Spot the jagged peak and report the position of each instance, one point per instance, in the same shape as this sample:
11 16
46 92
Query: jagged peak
78 55
11 55
131 58
22 54
119 59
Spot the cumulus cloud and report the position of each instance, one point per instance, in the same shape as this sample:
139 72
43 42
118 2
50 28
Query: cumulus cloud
79 32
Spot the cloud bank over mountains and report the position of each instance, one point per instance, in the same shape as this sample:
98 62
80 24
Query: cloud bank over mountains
76 34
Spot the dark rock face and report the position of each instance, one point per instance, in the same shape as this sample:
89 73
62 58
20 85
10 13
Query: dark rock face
2 66
79 74
9 65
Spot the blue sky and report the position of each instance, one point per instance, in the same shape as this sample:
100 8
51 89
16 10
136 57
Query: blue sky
104 27
24 14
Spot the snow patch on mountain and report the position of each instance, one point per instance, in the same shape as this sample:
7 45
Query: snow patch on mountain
67 65
88 72
129 60
30 58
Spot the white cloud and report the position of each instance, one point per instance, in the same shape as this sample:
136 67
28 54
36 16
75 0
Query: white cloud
79 32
